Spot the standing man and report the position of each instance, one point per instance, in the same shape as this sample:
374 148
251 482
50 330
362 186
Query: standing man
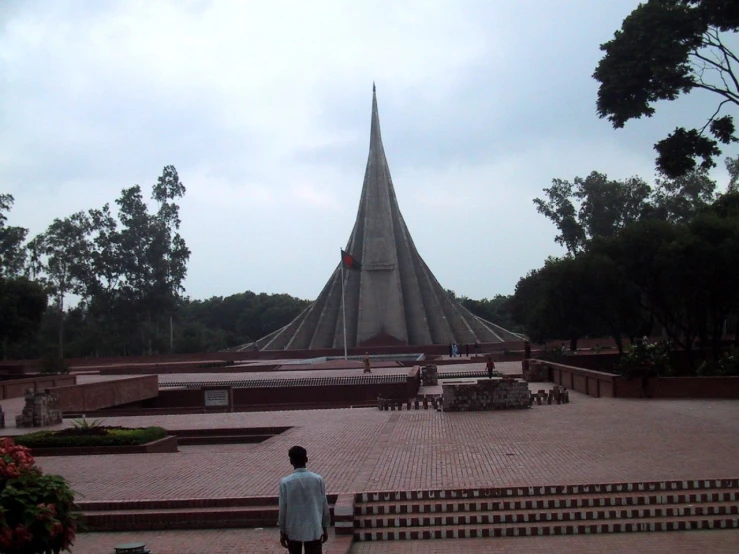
490 366
366 363
304 515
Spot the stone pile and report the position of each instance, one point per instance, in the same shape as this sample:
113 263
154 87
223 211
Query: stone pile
485 394
425 402
429 375
41 409
535 371
558 395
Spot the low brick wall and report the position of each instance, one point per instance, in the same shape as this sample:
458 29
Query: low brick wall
585 381
485 394
16 388
91 397
601 384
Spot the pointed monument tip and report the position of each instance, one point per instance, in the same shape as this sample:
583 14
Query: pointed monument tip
373 86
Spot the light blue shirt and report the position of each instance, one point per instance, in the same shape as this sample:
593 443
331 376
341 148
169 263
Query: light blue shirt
303 506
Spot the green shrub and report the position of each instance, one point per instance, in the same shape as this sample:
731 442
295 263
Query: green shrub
726 366
645 357
84 423
112 437
51 363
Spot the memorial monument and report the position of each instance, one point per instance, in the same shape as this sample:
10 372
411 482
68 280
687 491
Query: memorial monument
394 299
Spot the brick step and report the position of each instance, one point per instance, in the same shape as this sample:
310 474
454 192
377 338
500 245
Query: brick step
181 503
548 516
548 490
188 518
545 502
685 523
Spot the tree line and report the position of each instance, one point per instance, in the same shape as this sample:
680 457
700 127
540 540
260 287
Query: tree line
109 282
640 260
644 258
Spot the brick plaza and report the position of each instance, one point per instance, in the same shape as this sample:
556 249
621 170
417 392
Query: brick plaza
589 440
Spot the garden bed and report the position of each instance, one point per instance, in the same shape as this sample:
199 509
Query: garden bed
80 441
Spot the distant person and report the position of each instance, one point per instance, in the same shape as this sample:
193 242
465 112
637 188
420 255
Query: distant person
304 515
451 350
526 350
366 363
467 349
455 350
490 366
563 349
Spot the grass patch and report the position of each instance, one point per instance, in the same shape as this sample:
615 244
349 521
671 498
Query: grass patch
102 436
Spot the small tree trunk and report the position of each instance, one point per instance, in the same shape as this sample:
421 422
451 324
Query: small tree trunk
149 333
573 344
619 342
60 304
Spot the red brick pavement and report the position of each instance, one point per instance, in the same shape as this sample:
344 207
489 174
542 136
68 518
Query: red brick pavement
587 441
205 541
265 541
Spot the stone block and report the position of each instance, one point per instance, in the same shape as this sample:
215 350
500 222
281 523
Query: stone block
429 375
41 409
486 394
535 372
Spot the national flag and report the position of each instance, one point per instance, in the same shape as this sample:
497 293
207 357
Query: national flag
349 261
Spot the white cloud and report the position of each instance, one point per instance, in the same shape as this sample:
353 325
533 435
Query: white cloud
263 107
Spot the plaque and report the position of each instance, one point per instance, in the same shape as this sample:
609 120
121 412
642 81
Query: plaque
216 397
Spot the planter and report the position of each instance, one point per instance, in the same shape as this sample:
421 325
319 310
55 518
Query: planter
163 445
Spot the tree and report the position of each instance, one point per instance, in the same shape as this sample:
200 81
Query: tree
682 198
666 48
154 256
62 254
551 304
593 207
732 166
496 310
22 306
12 249
686 273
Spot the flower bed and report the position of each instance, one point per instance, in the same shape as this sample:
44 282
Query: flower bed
36 510
76 437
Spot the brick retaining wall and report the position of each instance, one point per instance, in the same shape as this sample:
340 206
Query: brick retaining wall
601 384
91 397
16 388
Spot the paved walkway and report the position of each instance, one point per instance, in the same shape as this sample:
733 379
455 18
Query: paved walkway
587 441
266 541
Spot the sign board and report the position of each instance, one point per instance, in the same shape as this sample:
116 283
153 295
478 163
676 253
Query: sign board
216 397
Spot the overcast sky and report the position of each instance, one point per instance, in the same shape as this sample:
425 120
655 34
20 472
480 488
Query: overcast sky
264 109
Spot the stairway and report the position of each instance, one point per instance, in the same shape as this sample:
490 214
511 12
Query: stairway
192 513
549 510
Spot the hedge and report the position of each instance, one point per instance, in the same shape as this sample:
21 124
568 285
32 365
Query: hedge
114 437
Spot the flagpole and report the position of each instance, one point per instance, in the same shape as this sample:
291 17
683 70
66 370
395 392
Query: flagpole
343 306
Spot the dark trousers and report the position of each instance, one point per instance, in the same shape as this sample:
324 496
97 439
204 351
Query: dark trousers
311 547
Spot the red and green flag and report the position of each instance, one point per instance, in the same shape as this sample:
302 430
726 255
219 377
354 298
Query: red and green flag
349 261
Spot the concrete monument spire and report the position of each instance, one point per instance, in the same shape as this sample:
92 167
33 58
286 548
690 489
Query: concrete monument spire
394 299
